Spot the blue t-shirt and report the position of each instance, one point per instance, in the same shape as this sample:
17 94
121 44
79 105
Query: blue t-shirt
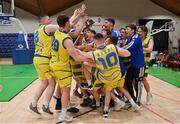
134 45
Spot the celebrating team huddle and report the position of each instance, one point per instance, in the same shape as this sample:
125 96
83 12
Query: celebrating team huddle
106 66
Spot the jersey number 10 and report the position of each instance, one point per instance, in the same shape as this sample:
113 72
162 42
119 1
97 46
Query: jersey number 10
108 62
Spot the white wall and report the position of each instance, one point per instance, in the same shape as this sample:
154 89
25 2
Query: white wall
124 11
128 11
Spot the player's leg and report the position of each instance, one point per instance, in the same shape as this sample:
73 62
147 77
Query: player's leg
126 94
75 91
139 73
48 95
44 82
64 81
128 82
57 96
87 73
149 97
39 91
106 103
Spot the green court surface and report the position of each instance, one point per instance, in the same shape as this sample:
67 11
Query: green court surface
166 74
15 78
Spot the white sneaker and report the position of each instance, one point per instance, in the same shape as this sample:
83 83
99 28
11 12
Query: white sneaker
136 108
65 118
149 99
118 106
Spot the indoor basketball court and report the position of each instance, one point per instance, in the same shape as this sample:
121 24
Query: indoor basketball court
88 61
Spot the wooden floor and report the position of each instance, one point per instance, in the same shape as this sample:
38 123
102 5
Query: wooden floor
165 108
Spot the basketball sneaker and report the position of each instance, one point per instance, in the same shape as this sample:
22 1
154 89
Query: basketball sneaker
105 114
65 118
34 109
135 108
118 106
47 110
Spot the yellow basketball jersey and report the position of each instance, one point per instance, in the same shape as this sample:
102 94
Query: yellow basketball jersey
60 58
145 45
43 42
107 62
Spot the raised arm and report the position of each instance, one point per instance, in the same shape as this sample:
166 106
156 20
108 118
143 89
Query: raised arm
77 15
123 52
51 28
79 28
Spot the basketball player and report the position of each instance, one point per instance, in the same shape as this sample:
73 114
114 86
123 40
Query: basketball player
62 49
147 43
43 39
106 59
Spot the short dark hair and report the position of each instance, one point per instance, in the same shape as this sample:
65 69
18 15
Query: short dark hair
107 31
111 20
92 31
144 29
122 29
132 26
41 16
113 39
98 36
61 20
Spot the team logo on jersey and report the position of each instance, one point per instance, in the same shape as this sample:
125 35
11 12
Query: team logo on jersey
36 37
55 45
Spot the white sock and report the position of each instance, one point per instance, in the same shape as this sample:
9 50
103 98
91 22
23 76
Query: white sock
148 93
63 111
89 82
34 103
46 104
106 108
98 103
118 101
132 102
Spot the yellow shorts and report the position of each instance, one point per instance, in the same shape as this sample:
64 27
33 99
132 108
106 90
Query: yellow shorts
42 67
97 84
110 85
121 82
77 69
63 78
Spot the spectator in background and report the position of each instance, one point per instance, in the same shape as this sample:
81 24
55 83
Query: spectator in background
123 38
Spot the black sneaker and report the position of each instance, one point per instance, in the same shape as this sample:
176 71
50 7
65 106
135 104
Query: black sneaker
76 93
34 109
58 104
85 86
105 114
138 103
93 104
73 110
86 102
127 105
111 104
47 110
